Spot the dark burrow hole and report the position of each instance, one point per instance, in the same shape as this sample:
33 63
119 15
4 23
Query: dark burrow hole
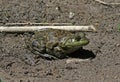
83 54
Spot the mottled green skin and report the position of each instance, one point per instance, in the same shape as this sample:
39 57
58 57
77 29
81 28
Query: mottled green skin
56 44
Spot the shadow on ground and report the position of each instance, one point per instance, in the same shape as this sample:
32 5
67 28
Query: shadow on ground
83 54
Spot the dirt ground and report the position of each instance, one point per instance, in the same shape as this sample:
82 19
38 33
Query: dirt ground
15 64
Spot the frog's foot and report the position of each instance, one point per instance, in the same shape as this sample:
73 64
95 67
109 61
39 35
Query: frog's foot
43 55
47 56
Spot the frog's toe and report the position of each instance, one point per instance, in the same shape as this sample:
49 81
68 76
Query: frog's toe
47 56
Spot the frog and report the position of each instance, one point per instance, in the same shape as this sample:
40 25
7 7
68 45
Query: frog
55 43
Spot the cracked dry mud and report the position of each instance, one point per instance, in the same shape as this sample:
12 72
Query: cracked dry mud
105 44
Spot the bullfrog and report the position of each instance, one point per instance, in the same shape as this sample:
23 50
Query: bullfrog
56 44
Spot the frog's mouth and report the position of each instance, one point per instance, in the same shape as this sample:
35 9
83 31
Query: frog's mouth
72 45
75 43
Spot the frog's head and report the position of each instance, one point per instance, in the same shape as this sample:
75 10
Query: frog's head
75 42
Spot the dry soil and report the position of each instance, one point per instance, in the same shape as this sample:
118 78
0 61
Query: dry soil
104 46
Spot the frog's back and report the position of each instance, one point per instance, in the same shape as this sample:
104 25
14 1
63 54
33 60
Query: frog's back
51 35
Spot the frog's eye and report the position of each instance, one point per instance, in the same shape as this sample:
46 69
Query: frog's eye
79 36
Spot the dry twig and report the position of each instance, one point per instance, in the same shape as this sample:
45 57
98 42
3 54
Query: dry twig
105 3
29 23
33 28
75 60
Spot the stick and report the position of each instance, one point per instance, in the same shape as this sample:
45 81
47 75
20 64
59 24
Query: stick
105 3
73 60
29 23
33 28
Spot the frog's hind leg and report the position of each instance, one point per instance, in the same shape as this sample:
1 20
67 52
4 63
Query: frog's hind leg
40 51
43 55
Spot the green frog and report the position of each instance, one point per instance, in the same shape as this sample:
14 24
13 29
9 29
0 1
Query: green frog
56 44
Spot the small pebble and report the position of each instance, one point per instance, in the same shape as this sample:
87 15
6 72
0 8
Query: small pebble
58 9
118 45
71 15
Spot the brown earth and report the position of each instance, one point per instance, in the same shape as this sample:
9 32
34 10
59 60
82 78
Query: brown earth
15 64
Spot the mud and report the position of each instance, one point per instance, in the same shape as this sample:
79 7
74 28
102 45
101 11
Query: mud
17 63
